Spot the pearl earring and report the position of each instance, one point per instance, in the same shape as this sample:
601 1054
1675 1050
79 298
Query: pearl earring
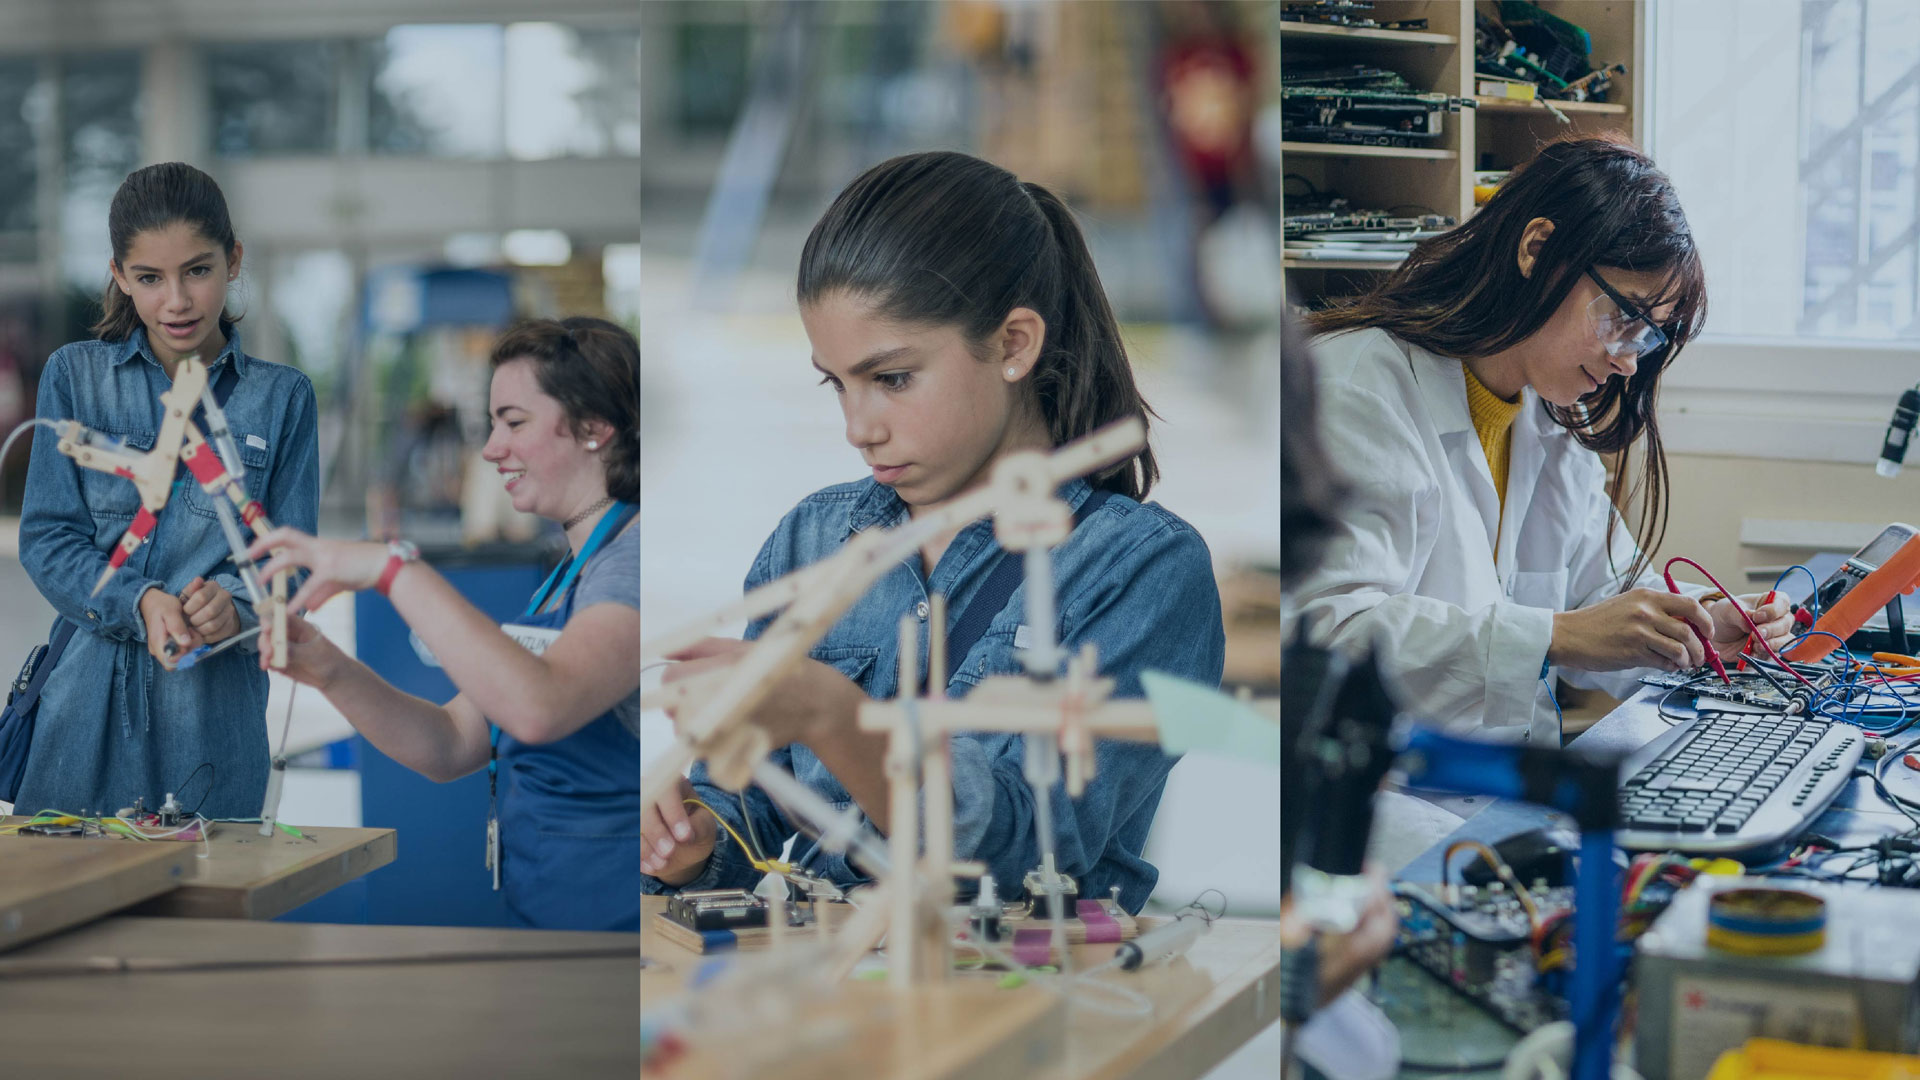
593 444
1013 372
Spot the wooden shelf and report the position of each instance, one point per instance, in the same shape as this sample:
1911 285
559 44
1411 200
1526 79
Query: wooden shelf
1509 105
1361 33
1336 264
1314 149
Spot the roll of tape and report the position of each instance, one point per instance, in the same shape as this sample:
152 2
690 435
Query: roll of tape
1766 922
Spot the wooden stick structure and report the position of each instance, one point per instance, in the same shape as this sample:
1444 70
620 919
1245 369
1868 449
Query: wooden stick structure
910 903
864 560
152 475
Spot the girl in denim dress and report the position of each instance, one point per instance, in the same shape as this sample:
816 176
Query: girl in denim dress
116 723
957 316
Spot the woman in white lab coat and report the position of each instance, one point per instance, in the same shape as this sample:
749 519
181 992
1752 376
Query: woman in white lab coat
1534 335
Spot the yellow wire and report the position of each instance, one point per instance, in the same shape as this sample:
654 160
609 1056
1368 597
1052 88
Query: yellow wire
760 862
1501 869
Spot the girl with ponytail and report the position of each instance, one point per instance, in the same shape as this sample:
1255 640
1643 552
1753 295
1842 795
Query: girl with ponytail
957 317
117 723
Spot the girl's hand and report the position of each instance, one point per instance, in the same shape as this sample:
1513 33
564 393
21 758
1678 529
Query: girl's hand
1769 611
1638 628
311 658
209 609
676 839
336 566
166 621
811 702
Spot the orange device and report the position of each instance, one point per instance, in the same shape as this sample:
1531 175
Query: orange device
1898 574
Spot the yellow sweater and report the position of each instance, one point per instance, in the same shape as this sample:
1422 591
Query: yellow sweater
1493 421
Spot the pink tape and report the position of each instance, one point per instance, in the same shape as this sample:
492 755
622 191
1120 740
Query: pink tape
1101 927
1032 947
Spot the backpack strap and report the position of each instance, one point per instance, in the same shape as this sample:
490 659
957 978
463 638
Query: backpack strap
1002 580
23 696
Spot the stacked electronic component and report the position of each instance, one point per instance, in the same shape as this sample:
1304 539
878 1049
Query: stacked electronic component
1362 106
1367 235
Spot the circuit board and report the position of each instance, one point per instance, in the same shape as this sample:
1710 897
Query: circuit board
1476 942
1744 690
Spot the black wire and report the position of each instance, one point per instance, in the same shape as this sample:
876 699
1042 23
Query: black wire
1451 1067
1205 915
1880 786
1761 668
211 774
1673 719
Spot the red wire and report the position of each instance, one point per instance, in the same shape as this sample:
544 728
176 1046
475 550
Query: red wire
1744 617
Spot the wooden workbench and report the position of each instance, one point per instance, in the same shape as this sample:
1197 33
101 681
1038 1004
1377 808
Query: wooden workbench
249 876
246 875
1207 1004
48 884
245 998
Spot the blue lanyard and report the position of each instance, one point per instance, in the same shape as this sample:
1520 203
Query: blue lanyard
618 516
568 570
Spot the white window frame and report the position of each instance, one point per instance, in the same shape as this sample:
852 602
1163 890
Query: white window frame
1793 399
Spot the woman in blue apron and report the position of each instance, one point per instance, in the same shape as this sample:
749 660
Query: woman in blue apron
559 730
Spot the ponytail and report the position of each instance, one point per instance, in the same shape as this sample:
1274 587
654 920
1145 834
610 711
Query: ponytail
1084 378
943 238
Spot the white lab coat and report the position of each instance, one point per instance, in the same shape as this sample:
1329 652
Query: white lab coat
1457 600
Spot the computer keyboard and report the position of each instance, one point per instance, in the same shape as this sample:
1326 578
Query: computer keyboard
1733 781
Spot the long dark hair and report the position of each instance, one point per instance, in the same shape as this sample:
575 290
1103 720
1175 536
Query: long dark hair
154 198
592 368
946 239
1462 295
1311 489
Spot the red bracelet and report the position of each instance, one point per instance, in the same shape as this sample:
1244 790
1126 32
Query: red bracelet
402 554
394 563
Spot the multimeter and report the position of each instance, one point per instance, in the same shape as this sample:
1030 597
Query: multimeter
1855 570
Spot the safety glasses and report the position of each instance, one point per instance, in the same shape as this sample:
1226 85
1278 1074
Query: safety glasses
1623 329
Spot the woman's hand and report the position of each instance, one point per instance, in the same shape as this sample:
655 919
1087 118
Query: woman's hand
311 658
209 610
811 702
1769 611
1344 958
676 839
1638 628
336 566
166 621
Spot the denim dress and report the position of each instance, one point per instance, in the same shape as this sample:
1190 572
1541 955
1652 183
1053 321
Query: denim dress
1133 579
113 724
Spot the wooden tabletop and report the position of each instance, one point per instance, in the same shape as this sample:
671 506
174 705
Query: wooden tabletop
163 998
50 883
1206 1004
248 876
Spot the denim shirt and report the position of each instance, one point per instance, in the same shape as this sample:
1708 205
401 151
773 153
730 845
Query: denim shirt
1133 579
113 725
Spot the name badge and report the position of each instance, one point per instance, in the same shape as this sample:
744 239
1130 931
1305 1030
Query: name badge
534 639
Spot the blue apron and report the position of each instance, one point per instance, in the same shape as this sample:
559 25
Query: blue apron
567 818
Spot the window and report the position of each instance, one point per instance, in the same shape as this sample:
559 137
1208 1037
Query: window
436 91
570 93
1792 129
272 97
710 74
18 177
100 140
